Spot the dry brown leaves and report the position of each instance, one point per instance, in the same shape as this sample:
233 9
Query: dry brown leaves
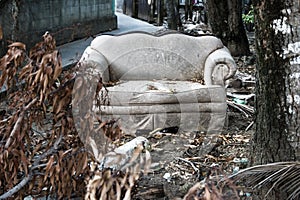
1 33
40 151
10 63
112 186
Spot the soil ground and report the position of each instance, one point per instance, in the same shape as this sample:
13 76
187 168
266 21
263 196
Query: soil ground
178 165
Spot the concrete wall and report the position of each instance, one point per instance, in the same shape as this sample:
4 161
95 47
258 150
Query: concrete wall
67 20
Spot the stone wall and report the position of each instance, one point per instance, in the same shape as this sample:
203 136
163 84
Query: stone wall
67 20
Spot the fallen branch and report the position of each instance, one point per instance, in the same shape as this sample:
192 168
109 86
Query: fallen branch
18 187
28 178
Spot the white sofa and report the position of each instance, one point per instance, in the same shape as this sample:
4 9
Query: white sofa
170 80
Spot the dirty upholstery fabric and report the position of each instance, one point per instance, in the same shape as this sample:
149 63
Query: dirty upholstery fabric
152 104
154 76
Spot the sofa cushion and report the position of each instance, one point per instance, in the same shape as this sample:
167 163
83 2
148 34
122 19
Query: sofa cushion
162 103
145 92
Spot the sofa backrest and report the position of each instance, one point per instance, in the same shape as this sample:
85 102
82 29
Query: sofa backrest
140 56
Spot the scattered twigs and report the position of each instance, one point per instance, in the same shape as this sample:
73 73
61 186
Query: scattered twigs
189 162
246 110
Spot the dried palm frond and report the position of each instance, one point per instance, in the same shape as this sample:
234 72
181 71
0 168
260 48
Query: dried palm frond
283 176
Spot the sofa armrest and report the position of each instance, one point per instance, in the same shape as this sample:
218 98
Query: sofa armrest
219 66
96 63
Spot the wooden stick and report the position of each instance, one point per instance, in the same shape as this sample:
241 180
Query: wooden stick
189 162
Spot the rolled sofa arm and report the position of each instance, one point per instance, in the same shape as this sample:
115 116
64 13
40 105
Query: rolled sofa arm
94 60
219 66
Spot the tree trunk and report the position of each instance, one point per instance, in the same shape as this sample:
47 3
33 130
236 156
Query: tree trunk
270 141
172 14
160 12
294 81
225 19
188 9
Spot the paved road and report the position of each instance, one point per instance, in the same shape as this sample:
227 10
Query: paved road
71 52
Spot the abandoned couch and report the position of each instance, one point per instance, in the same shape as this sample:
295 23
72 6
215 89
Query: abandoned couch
162 81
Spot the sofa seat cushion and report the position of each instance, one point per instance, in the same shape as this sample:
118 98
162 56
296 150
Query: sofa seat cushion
141 93
162 103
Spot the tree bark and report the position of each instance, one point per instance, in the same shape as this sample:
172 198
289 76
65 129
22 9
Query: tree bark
270 141
188 9
160 12
172 14
225 19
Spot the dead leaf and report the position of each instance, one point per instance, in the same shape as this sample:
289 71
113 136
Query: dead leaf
19 45
1 33
48 167
57 71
